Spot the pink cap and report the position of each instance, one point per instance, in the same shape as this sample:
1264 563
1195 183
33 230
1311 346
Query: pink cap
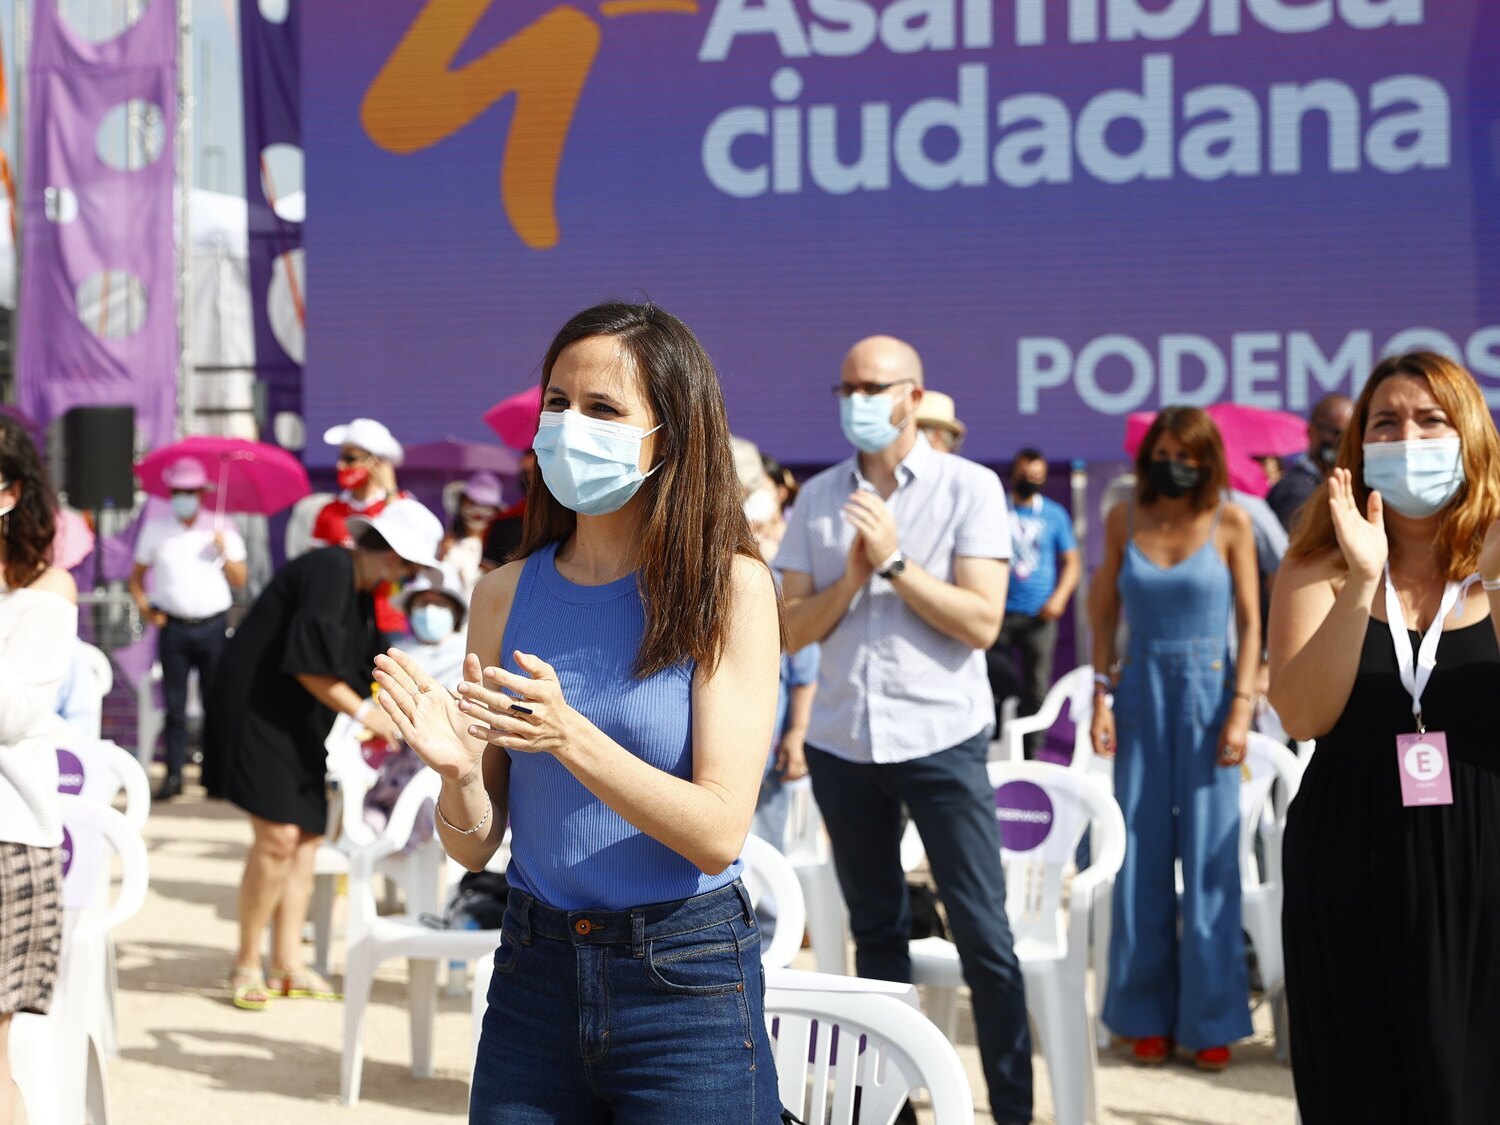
484 488
185 475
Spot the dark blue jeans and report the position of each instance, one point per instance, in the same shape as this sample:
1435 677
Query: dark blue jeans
948 795
649 1016
181 648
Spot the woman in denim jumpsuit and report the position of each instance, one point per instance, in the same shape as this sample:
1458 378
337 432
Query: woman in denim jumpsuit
1178 560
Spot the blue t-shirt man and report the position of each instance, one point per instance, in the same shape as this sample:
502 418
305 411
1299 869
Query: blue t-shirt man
1040 530
1044 571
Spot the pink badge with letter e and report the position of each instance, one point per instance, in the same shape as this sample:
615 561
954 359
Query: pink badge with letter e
1423 762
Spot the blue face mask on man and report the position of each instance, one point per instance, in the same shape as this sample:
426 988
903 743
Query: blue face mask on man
1416 478
185 505
866 420
590 466
432 623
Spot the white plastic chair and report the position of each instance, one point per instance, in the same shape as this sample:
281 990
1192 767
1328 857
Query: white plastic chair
100 679
58 1059
1074 689
903 1051
811 857
422 879
1051 942
769 873
374 939
1263 812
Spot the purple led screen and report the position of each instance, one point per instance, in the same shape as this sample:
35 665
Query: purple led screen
1073 210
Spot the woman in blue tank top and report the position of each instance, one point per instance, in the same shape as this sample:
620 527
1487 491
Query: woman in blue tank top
616 706
1180 561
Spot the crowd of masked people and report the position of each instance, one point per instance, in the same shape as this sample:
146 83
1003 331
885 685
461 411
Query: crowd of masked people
917 589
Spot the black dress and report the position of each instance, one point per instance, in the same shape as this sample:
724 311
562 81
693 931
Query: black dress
261 727
1392 915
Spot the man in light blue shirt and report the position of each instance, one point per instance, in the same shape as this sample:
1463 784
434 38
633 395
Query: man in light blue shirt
896 561
1043 575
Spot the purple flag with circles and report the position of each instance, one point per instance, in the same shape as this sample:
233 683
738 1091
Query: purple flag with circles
273 117
98 307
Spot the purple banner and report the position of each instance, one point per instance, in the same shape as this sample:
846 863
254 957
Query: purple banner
273 117
98 303
1074 211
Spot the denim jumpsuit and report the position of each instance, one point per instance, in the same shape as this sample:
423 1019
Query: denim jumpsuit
1172 701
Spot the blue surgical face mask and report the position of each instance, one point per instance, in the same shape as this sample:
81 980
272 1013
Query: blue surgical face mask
1416 478
590 466
866 420
185 505
432 623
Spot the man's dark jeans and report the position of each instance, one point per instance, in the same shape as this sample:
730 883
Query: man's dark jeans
948 794
181 648
1036 641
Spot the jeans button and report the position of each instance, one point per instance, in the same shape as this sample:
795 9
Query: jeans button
583 926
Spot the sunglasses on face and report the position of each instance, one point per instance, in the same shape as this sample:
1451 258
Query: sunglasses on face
845 390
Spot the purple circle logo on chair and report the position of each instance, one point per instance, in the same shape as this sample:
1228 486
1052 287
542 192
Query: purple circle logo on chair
1025 814
67 852
69 773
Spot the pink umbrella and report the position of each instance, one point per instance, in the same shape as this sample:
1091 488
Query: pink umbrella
1248 432
515 418
249 476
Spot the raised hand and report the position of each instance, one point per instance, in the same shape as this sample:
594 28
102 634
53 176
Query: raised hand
528 713
1361 537
857 567
426 714
872 518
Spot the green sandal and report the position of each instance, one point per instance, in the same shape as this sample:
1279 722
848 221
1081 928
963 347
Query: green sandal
303 984
248 990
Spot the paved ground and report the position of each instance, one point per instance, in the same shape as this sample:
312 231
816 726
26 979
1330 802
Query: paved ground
189 1057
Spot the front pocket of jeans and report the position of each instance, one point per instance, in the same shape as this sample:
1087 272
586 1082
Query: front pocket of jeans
505 955
704 963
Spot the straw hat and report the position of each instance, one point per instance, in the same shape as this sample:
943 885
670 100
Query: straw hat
936 409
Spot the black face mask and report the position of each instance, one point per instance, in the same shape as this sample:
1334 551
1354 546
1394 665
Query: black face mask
1026 489
1173 478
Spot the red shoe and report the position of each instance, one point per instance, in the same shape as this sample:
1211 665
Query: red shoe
1212 1058
1152 1050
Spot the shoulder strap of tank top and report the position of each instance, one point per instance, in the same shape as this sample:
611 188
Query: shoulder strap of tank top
1130 519
1213 527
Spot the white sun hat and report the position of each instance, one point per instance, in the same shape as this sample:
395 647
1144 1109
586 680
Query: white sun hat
369 435
409 529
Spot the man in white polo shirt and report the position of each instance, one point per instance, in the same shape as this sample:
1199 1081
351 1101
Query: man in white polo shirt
192 563
896 560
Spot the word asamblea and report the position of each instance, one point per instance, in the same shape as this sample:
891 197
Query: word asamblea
1215 131
1115 374
842 28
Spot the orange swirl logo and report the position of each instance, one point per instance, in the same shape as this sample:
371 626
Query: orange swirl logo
418 99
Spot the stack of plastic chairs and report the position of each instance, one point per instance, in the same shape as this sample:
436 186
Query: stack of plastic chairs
58 1060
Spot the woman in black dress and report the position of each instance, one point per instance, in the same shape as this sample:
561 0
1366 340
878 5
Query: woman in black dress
1392 913
304 653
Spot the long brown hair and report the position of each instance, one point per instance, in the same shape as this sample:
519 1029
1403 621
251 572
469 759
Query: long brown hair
1476 505
30 528
1200 437
694 524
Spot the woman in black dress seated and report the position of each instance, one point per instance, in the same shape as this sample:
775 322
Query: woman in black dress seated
1392 851
304 653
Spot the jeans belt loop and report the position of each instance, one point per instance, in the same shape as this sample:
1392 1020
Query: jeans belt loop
739 889
638 934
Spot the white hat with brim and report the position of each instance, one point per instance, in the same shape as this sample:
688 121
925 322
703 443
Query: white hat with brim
409 529
443 581
936 409
369 435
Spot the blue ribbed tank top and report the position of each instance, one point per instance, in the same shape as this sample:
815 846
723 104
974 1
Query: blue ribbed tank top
568 848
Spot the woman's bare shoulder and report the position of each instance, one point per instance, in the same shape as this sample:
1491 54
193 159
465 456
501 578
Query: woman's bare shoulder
55 580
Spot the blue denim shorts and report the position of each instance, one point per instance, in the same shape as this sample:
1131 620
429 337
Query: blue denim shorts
653 1015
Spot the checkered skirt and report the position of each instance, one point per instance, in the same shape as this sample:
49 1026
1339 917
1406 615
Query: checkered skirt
30 926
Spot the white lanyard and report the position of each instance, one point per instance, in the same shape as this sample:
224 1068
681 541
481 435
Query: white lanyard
1414 677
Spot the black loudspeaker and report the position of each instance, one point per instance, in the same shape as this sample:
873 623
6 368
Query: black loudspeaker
98 452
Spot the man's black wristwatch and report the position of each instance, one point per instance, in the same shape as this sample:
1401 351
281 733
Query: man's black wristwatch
895 567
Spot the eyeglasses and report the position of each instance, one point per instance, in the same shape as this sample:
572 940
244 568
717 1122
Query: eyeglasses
844 390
